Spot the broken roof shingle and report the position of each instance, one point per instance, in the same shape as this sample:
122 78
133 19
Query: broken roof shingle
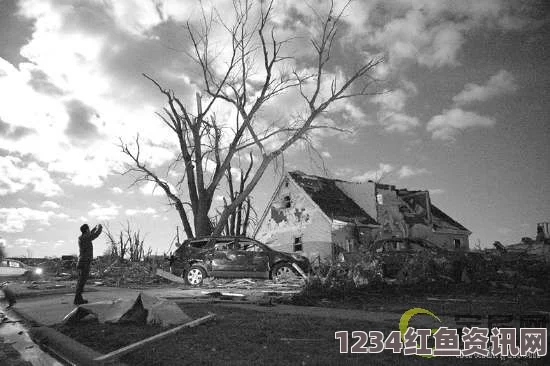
334 203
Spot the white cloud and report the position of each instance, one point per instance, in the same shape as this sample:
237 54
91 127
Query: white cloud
326 154
451 122
499 84
147 211
421 37
436 191
394 100
25 242
432 33
50 204
343 173
375 174
392 104
14 220
16 175
409 171
104 212
398 122
151 188
117 190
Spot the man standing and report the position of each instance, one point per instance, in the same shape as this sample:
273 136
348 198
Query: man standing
85 259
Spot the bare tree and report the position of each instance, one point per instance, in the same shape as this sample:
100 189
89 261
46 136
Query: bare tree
128 242
200 137
118 246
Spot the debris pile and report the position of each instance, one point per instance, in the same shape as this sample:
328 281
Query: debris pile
124 273
503 268
515 268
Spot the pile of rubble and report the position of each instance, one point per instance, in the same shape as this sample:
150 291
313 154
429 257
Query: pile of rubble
516 269
125 273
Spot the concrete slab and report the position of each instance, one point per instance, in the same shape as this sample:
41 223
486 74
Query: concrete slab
15 334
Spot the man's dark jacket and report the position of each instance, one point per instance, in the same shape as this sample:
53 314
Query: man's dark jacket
85 244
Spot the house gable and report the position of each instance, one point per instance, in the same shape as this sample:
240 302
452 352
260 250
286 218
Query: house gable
293 222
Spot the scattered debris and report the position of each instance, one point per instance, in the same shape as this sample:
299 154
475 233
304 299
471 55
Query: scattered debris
120 273
169 276
499 246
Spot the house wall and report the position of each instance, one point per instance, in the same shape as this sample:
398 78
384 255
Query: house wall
364 194
303 219
446 239
393 224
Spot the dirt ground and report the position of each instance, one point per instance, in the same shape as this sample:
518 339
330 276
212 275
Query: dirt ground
244 337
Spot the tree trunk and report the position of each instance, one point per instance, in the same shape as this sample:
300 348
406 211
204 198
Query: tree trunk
203 226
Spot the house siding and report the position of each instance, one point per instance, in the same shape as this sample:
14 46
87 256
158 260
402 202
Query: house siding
281 224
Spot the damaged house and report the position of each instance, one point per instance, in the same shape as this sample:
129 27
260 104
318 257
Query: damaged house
320 217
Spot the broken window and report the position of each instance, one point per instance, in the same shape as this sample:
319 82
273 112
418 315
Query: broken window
456 243
286 202
298 247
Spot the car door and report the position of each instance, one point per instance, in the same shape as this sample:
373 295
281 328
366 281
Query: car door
229 257
257 260
218 257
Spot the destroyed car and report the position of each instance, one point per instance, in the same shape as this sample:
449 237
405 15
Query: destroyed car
11 268
233 257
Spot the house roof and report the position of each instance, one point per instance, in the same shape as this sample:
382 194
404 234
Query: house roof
444 221
337 205
334 203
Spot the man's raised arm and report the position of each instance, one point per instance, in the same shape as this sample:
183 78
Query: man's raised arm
96 231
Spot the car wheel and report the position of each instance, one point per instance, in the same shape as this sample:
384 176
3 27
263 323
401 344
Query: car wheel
281 271
195 276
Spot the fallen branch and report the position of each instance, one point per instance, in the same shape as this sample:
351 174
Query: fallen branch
124 350
299 270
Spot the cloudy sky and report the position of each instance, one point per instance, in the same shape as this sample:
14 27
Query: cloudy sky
465 114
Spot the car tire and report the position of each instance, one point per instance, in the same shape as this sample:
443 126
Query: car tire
282 270
195 276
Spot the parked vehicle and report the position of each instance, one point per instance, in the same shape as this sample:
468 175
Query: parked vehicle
233 257
11 268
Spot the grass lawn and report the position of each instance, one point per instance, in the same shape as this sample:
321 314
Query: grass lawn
248 337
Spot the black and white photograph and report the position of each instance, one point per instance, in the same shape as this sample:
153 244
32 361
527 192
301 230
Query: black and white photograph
274 182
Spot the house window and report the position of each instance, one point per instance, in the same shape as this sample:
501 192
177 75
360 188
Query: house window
286 202
456 243
298 244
